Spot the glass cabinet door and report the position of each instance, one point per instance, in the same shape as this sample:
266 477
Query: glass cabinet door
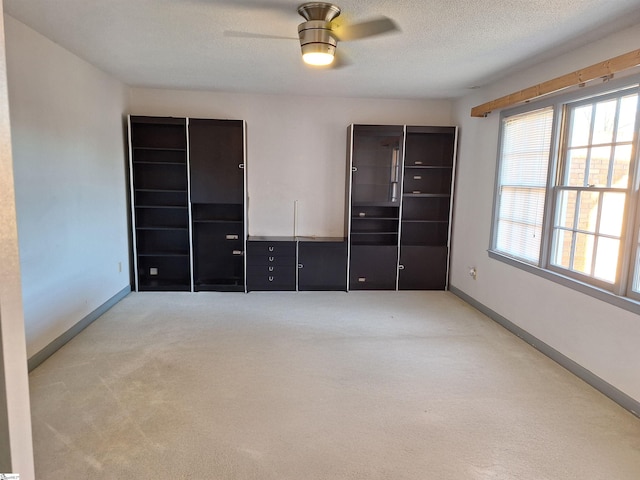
377 165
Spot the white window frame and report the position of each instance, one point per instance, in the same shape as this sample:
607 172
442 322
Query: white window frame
621 292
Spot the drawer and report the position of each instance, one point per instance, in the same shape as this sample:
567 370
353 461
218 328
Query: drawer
286 281
220 231
433 180
272 249
273 260
265 271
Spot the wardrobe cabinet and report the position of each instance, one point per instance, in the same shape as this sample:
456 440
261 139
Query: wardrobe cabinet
400 191
188 203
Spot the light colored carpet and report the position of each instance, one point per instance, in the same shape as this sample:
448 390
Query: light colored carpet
317 385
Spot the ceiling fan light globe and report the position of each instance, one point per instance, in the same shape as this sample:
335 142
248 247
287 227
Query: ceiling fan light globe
318 53
317 58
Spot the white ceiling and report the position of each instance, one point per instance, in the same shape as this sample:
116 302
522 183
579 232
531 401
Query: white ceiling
444 46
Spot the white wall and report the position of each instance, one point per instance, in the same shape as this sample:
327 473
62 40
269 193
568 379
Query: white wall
69 163
296 147
16 449
598 336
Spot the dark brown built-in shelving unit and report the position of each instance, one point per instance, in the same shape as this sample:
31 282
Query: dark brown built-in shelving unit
188 203
399 203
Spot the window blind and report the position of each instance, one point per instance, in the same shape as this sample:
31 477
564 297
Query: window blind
522 179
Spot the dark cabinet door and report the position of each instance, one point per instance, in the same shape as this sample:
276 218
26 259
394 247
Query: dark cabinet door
377 165
322 265
373 267
422 268
216 157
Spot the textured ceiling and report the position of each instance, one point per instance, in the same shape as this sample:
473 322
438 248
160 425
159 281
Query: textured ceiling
443 47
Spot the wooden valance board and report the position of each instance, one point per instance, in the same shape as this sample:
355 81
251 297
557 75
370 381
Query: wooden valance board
598 70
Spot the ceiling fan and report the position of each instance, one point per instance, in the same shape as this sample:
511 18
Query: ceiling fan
319 34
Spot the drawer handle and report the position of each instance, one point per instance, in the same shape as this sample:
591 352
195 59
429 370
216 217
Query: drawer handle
237 252
354 169
418 162
362 214
271 259
271 249
241 166
300 265
271 279
417 177
416 191
231 237
271 269
362 279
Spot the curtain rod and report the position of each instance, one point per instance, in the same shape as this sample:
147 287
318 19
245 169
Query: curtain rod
604 69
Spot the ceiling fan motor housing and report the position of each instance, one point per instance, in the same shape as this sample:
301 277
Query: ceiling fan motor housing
315 34
316 37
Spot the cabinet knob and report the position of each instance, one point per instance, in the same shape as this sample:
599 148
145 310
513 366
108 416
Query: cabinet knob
354 169
416 191
300 265
400 267
418 162
271 249
417 177
270 278
231 237
237 252
271 269
362 279
241 166
271 259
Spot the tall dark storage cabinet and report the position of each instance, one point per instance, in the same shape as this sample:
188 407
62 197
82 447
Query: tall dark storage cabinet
188 203
399 206
216 158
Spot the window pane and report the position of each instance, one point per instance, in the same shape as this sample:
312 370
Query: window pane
607 259
636 272
599 166
611 217
583 256
520 221
621 163
627 118
576 167
566 209
580 126
588 213
562 256
604 122
524 161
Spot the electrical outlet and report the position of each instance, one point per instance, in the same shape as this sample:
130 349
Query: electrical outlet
473 272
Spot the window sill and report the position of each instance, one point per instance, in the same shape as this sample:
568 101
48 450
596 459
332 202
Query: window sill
595 292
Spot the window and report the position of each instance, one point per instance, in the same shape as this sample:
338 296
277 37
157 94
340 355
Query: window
566 201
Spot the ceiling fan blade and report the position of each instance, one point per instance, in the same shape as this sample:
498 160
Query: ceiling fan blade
236 34
276 5
373 27
340 60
